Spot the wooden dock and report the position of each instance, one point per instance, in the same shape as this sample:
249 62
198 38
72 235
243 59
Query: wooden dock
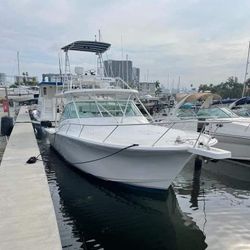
27 216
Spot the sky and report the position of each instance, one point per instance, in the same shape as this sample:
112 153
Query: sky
200 41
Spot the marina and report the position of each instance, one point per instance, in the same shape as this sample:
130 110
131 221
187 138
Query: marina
124 125
206 206
119 179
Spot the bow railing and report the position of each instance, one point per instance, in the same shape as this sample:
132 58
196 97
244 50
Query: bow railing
169 126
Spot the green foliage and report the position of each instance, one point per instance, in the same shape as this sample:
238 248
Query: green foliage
32 81
157 84
157 88
229 89
13 86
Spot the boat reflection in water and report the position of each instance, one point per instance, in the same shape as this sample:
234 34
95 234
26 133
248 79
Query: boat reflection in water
231 173
94 214
217 195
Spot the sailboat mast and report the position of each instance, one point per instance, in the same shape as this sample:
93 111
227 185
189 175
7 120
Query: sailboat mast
127 69
246 72
18 68
179 84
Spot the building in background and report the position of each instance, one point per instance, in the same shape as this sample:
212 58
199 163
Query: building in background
123 69
2 79
146 88
135 76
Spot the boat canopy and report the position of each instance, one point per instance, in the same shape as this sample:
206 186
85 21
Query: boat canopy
205 98
86 92
87 46
200 96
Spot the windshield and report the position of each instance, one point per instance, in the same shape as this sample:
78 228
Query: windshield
216 113
107 108
242 112
186 113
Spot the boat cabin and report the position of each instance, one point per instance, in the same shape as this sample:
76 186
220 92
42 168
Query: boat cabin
116 104
47 100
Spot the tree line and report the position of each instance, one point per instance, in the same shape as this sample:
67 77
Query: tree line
229 89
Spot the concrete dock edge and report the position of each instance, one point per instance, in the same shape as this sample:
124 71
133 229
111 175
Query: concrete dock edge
27 216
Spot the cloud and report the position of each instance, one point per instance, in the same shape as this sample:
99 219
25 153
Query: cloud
201 41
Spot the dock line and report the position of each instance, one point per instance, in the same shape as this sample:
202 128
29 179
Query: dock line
106 156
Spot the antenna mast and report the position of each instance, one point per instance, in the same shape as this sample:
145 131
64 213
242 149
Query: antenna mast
127 69
99 33
67 78
60 66
246 72
100 66
122 70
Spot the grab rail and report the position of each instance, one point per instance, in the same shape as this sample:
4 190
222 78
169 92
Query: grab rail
110 133
151 123
163 134
170 123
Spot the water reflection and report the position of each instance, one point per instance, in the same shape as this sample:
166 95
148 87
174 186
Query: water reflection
218 199
233 174
94 214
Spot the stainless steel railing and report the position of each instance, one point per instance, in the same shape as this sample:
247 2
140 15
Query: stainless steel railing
170 125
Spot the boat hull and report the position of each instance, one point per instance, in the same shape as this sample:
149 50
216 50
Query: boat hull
143 168
239 146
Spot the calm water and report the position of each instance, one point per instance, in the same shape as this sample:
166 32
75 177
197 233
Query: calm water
207 209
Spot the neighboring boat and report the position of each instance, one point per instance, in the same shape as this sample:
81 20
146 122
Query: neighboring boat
152 104
186 110
231 130
241 106
22 94
47 111
103 133
233 134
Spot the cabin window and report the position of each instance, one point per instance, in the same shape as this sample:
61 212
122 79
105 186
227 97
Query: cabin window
44 91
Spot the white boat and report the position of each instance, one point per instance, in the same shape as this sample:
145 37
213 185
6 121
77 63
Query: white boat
103 133
241 106
47 110
231 130
233 133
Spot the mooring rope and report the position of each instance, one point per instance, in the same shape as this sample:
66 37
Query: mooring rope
33 159
107 156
